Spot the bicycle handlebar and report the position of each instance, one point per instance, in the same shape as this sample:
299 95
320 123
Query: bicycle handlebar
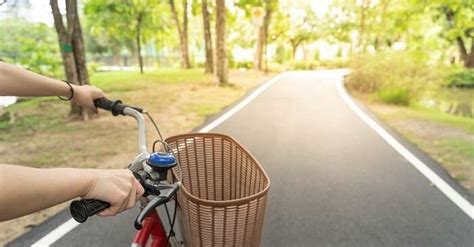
82 209
114 106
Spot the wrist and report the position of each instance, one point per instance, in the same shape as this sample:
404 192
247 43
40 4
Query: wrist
89 178
69 94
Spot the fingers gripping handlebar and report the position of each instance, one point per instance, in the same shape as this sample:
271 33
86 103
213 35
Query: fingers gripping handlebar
114 106
81 210
84 208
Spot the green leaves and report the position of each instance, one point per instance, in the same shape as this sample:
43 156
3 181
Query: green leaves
31 45
117 22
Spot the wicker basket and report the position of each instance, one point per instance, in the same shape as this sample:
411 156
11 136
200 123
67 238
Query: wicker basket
224 192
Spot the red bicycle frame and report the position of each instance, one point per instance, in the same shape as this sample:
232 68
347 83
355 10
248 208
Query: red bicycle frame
152 230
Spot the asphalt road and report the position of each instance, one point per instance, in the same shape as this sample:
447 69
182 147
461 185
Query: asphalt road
335 182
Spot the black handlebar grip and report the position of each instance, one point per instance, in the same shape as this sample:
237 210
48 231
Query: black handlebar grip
114 106
81 210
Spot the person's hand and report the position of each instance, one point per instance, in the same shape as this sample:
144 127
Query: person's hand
85 96
117 187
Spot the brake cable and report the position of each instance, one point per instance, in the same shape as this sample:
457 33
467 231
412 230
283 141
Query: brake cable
168 149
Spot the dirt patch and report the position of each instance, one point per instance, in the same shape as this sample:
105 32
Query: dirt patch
431 131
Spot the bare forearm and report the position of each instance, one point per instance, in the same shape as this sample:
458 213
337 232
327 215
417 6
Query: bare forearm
15 81
25 190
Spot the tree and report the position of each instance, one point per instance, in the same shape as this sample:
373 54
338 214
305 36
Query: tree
302 31
209 65
222 64
370 23
264 8
72 48
460 27
182 32
263 34
125 22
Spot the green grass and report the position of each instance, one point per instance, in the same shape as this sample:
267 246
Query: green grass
396 96
203 109
453 149
422 113
119 81
459 146
47 112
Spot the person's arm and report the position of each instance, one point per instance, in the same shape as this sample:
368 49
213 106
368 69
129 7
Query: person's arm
15 81
24 190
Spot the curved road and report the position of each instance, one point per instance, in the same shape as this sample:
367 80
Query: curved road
335 182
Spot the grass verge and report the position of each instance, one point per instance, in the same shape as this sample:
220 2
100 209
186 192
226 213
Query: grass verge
447 138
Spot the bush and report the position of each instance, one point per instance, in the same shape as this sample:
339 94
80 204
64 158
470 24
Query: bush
463 78
318 64
304 65
33 46
92 68
393 77
244 65
396 96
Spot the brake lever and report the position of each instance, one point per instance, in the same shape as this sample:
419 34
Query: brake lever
155 202
167 192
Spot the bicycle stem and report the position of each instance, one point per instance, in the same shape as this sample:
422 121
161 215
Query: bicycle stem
141 128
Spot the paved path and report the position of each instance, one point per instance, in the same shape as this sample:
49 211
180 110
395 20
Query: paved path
335 182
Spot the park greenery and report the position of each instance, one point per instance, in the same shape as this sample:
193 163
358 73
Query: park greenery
416 55
411 61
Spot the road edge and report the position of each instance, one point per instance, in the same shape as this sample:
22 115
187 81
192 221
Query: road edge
422 167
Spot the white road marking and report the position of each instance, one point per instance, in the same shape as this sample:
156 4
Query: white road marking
69 225
242 104
56 234
444 187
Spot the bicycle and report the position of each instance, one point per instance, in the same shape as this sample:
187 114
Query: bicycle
151 170
223 192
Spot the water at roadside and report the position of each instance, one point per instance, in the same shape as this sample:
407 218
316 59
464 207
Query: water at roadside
454 101
7 100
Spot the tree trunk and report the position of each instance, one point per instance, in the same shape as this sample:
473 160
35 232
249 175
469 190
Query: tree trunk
209 66
79 52
466 57
80 59
66 44
361 42
262 37
185 46
81 67
295 43
182 32
139 47
293 51
222 69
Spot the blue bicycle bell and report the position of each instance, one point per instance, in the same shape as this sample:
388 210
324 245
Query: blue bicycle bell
161 162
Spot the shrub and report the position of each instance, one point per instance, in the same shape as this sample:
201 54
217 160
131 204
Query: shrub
32 46
318 64
394 77
304 65
243 64
396 96
92 68
462 78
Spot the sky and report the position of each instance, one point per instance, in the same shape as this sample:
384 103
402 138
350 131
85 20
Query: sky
40 11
